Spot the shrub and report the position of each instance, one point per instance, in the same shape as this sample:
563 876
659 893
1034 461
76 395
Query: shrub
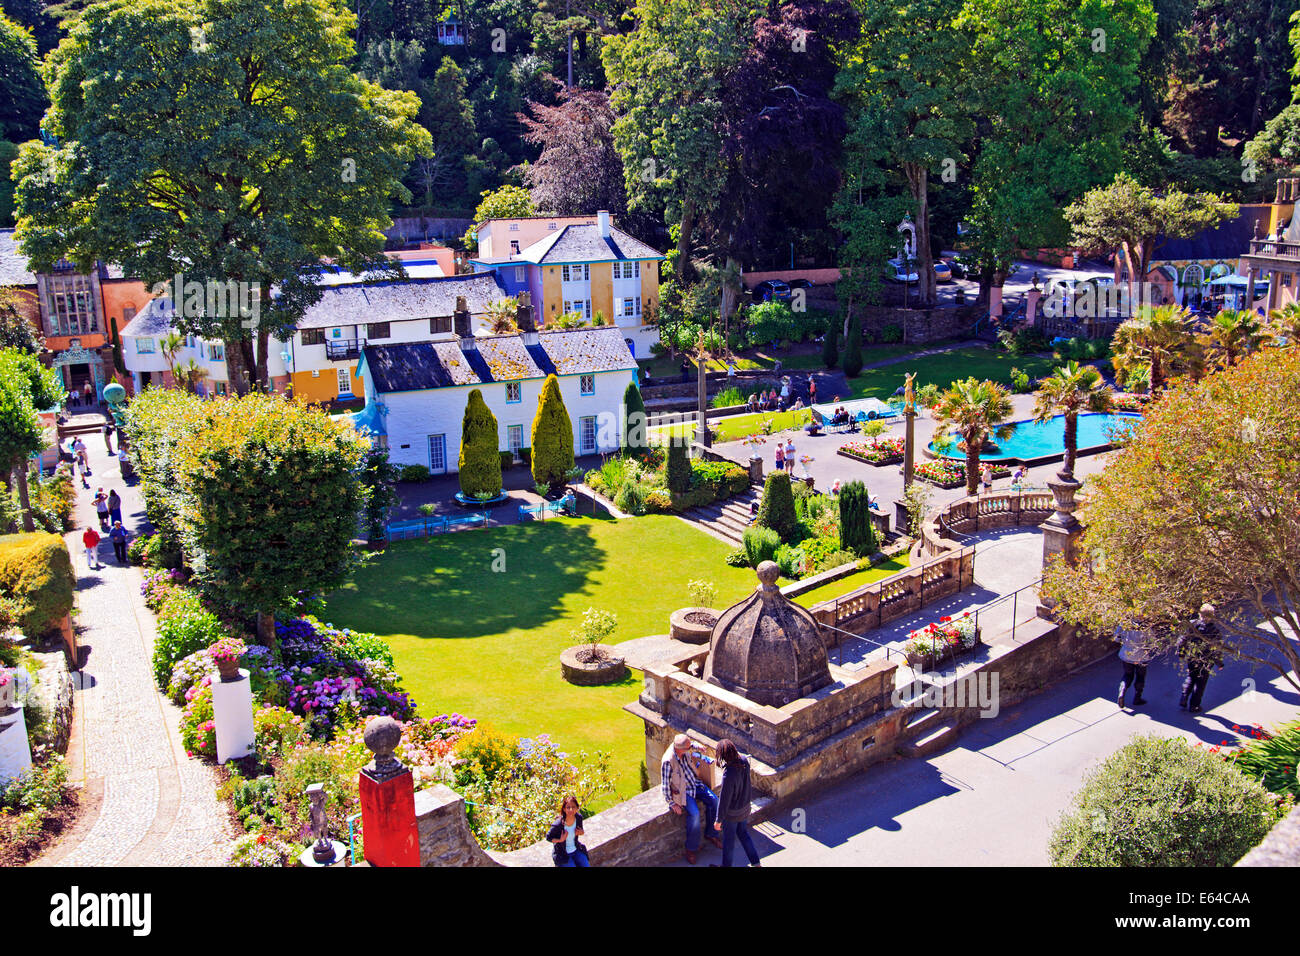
790 560
259 849
484 753
852 359
760 545
1020 383
28 804
190 671
552 436
769 323
507 460
856 531
184 626
480 462
677 472
276 730
891 334
737 559
1022 342
831 347
1158 802
198 725
54 497
412 473
36 575
1272 758
334 764
777 510
634 419
702 593
727 397
630 498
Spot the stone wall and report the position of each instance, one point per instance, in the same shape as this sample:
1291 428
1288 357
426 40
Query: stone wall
445 836
1281 847
982 513
920 325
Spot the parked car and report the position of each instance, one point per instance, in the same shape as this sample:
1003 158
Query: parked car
801 283
942 273
771 290
956 267
896 272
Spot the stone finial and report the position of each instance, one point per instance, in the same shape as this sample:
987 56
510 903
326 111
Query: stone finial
768 574
382 735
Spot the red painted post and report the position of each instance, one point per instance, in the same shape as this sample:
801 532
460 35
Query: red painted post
387 789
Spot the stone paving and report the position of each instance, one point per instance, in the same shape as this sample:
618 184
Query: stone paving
145 803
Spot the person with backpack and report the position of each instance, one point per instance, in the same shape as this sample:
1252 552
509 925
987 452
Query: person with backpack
733 804
565 833
1199 651
118 537
101 509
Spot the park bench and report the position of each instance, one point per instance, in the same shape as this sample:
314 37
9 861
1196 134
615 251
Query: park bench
564 505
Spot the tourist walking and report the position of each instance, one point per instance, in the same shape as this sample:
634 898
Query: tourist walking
780 456
1198 651
108 437
1135 654
114 507
733 804
682 788
91 542
789 456
101 509
986 478
565 835
812 390
118 536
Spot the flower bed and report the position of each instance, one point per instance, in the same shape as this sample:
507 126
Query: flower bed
950 474
643 476
947 638
883 451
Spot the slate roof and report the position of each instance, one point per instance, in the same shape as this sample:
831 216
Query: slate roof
154 319
1226 241
586 244
397 301
415 366
13 264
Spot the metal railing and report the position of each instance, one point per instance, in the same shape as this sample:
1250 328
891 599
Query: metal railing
340 349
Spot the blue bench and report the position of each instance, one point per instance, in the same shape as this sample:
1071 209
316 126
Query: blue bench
469 520
565 505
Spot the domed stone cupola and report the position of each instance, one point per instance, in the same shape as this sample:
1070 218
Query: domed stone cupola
767 648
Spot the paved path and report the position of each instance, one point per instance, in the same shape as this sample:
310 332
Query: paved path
144 802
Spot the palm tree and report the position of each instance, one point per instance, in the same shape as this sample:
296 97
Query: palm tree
975 412
1156 338
501 315
171 344
1284 325
1233 334
189 375
1069 390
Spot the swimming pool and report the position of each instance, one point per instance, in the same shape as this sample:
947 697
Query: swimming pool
1033 443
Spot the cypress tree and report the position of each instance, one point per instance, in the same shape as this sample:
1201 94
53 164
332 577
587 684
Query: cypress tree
856 533
777 510
634 420
853 351
831 347
552 438
677 471
480 457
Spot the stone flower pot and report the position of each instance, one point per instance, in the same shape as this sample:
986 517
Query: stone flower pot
608 668
228 670
692 625
928 662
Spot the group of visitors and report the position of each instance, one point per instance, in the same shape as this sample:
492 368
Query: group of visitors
785 456
1198 650
83 397
841 416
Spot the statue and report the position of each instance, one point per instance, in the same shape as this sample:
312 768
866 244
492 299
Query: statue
322 850
909 393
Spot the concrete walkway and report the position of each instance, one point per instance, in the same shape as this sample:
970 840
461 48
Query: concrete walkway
144 803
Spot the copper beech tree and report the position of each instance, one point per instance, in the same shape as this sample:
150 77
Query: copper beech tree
1201 504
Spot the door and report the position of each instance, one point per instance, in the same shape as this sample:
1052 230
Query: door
515 439
587 435
438 454
345 382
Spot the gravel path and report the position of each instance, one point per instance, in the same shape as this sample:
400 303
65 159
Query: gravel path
144 802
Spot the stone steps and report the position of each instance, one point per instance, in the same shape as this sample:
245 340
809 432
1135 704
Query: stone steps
726 520
939 735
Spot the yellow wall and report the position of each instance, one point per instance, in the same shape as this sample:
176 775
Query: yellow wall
649 285
602 290
326 387
551 294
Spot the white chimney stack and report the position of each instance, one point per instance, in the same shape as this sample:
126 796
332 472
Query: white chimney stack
602 219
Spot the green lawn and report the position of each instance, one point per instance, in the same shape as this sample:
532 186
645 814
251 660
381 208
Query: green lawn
853 581
487 643
734 427
947 367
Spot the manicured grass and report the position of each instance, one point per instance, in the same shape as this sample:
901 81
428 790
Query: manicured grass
735 427
486 642
947 367
853 581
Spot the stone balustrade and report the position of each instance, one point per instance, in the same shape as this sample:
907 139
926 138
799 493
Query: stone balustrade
1001 509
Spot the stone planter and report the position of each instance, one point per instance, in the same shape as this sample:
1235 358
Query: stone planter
681 628
928 662
229 670
590 673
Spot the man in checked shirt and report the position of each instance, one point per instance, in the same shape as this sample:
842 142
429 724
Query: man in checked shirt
681 788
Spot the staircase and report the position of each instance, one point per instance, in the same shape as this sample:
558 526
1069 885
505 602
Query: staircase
936 732
726 520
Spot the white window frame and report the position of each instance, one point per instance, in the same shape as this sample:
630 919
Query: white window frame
217 352
515 439
628 305
345 381
586 427
140 348
587 384
520 274
518 389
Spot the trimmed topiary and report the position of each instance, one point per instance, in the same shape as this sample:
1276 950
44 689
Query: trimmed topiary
634 420
36 574
777 510
759 545
552 438
480 456
677 471
856 531
1159 802
831 347
853 351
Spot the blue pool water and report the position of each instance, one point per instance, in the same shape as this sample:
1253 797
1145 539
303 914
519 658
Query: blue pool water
1046 439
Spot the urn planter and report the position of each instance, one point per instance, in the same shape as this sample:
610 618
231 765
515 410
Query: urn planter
607 668
692 625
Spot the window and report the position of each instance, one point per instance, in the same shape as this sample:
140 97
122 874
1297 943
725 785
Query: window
514 392
587 309
315 373
638 306
515 439
70 305
144 346
201 351
627 307
313 336
627 270
576 273
336 333
519 273
514 227
587 384
514 247
440 324
437 454
345 382
217 353
219 388
189 341
378 330
552 225
587 434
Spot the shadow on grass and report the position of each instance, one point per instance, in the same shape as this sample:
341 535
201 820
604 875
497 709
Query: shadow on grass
471 583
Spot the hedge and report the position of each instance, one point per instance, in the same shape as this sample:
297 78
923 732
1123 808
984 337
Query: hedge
36 571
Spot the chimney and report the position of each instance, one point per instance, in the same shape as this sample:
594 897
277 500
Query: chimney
524 313
460 320
602 219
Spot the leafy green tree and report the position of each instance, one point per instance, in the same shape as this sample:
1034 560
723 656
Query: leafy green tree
271 495
508 202
677 470
1284 325
1069 390
378 480
852 361
480 455
578 170
1159 802
26 388
1278 143
777 510
634 420
16 330
293 158
1158 339
830 347
552 436
24 100
975 412
447 113
1231 335
1129 217
856 531
1202 504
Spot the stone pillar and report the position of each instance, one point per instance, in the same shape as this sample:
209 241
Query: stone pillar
702 397
909 446
387 789
232 711
1061 532
1250 288
756 470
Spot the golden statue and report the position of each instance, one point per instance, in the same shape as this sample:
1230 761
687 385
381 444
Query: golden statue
909 396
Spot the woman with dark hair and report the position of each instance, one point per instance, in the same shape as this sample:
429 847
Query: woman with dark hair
564 834
733 803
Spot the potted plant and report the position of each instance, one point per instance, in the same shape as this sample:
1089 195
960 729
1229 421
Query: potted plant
226 654
591 662
945 639
694 624
7 691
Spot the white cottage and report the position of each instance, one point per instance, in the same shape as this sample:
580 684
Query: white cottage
416 392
